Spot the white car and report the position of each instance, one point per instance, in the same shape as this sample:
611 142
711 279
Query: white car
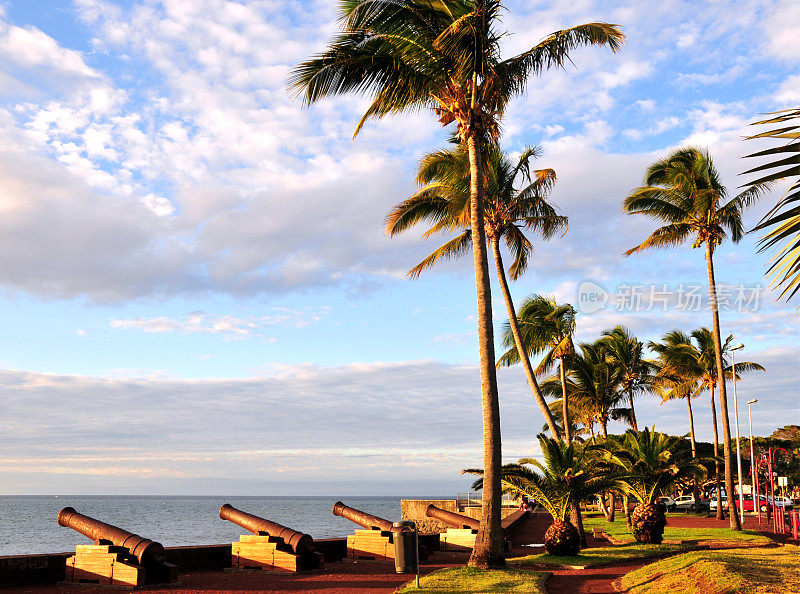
686 502
668 502
784 502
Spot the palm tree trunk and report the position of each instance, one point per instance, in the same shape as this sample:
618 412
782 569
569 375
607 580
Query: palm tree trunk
576 520
720 514
564 403
691 425
523 354
626 506
633 411
488 549
723 396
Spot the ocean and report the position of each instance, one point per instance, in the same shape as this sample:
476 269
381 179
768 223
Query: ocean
28 523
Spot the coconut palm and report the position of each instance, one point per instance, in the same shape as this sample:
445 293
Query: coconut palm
688 368
784 217
649 463
625 350
565 479
443 202
685 192
445 55
544 327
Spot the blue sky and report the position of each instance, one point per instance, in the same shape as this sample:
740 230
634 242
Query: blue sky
197 294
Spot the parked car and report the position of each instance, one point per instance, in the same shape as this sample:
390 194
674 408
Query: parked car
747 503
667 501
784 502
686 503
712 504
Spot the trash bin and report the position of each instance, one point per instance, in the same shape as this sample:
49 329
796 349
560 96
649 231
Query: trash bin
404 535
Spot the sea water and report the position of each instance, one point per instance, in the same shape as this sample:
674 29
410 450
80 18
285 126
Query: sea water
28 523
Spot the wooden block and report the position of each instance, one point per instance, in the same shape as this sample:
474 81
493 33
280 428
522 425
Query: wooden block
261 552
370 544
458 539
103 565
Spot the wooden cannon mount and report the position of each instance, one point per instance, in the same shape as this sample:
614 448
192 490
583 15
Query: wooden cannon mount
375 541
271 546
117 557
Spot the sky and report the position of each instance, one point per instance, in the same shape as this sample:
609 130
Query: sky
196 292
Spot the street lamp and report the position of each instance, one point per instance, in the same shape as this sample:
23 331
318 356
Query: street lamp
738 446
753 465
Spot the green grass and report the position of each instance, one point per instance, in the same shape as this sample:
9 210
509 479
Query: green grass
749 571
599 555
470 579
619 531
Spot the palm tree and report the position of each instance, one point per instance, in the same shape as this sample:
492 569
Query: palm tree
688 369
649 463
444 202
566 478
544 326
445 56
625 351
784 217
685 192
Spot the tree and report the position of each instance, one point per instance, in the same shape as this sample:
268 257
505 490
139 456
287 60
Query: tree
544 326
649 463
566 478
625 351
784 217
443 202
685 192
689 364
444 55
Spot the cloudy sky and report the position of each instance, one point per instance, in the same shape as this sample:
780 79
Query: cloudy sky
197 293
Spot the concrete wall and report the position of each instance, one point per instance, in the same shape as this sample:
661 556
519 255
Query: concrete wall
27 570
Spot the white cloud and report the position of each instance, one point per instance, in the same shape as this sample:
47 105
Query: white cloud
782 29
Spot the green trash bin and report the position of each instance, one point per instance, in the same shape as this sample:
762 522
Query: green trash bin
406 547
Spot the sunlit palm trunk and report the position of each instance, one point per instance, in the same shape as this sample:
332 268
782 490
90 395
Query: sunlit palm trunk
609 511
488 550
576 520
564 403
523 355
720 514
691 426
633 411
723 396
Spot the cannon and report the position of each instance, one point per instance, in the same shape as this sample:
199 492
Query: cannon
451 518
361 518
272 546
138 560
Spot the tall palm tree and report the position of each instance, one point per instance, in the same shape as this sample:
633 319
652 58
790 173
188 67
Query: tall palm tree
443 201
685 192
689 368
626 351
784 217
565 479
649 463
444 55
543 326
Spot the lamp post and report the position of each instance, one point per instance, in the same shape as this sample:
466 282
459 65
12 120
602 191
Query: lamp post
753 465
738 446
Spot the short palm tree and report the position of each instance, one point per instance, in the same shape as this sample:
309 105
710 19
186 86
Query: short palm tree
566 478
544 327
445 56
684 191
649 463
784 217
626 351
443 202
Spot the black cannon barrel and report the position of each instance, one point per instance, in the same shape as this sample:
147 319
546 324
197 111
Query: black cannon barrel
147 552
452 518
361 518
300 543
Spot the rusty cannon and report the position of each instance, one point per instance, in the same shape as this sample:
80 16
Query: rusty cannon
361 518
272 546
451 518
117 556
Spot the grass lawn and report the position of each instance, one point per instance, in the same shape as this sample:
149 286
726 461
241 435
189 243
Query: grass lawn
720 572
599 555
619 531
470 579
